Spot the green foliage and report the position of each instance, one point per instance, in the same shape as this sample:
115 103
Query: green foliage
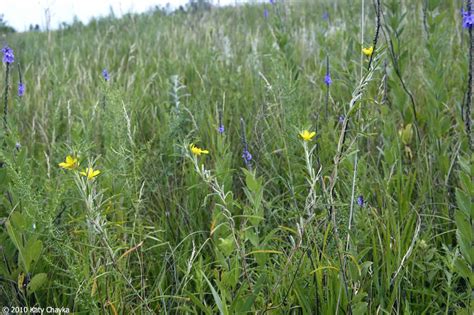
464 218
161 230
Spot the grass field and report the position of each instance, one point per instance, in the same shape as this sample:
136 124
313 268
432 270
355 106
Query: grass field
209 200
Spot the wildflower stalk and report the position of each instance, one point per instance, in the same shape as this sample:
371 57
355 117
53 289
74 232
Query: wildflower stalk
356 96
301 226
92 200
362 28
220 129
467 120
385 83
351 211
5 105
105 93
327 85
219 191
20 76
246 155
8 59
312 180
96 223
377 31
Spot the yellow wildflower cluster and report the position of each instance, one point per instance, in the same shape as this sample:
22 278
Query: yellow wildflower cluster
71 163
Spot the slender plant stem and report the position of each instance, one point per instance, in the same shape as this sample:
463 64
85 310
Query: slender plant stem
385 84
20 75
467 120
362 27
327 85
248 163
5 106
351 212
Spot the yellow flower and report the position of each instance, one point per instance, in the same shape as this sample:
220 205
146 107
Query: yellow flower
90 173
70 163
368 51
307 136
197 151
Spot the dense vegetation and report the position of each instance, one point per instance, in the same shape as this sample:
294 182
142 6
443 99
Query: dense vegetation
208 198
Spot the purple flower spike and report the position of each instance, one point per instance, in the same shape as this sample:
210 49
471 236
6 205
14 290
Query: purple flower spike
21 89
325 16
327 79
8 56
265 13
246 156
467 19
341 119
360 201
221 128
272 1
105 74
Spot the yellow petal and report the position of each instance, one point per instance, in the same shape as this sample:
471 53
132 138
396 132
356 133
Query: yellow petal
368 51
307 135
85 172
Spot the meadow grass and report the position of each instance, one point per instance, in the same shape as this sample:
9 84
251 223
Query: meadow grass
372 215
